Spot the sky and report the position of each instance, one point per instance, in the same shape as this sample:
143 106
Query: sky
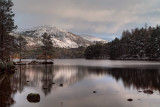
105 19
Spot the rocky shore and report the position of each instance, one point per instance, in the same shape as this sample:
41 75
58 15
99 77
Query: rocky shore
33 62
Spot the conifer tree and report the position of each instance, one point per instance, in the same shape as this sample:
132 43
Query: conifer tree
10 46
21 45
6 25
47 47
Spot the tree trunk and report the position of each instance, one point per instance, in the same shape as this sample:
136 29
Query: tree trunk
20 57
2 39
20 53
45 56
1 46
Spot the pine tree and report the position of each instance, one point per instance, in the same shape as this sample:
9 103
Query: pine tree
154 43
10 46
47 47
21 45
6 25
115 48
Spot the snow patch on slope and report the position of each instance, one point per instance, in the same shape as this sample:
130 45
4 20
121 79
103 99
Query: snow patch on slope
60 38
93 39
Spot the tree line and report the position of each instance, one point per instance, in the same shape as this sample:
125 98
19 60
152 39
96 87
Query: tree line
58 53
139 43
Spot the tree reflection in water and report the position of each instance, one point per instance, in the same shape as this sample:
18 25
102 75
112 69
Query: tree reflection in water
10 84
47 79
6 91
41 76
138 78
21 78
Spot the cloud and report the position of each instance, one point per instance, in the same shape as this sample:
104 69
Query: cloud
87 16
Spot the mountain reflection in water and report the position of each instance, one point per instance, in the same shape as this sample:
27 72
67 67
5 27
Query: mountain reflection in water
41 77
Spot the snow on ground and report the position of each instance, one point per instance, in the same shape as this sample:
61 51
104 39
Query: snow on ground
61 38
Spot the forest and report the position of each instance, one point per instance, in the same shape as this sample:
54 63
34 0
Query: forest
58 53
137 44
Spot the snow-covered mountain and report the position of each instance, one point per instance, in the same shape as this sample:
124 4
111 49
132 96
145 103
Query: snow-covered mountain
93 39
60 38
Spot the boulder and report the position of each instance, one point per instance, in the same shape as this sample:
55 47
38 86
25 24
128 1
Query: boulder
33 97
61 85
148 91
129 99
94 92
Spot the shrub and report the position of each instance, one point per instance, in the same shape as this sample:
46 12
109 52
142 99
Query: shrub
6 66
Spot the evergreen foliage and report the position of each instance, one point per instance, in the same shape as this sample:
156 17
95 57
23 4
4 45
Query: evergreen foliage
6 27
60 53
94 51
21 46
143 43
47 48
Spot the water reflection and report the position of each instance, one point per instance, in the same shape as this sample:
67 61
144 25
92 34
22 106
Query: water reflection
6 91
20 78
137 78
42 77
47 78
9 85
68 75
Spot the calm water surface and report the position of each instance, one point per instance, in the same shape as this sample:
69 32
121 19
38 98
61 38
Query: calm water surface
113 81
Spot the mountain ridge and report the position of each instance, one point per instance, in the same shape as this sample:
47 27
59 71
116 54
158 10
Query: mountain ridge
61 38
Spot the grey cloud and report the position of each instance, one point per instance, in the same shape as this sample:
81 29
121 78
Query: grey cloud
97 17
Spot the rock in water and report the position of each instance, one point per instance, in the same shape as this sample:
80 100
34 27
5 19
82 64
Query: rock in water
94 92
33 97
129 99
148 91
45 88
61 85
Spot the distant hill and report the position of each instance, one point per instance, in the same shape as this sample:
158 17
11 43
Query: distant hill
61 38
93 39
